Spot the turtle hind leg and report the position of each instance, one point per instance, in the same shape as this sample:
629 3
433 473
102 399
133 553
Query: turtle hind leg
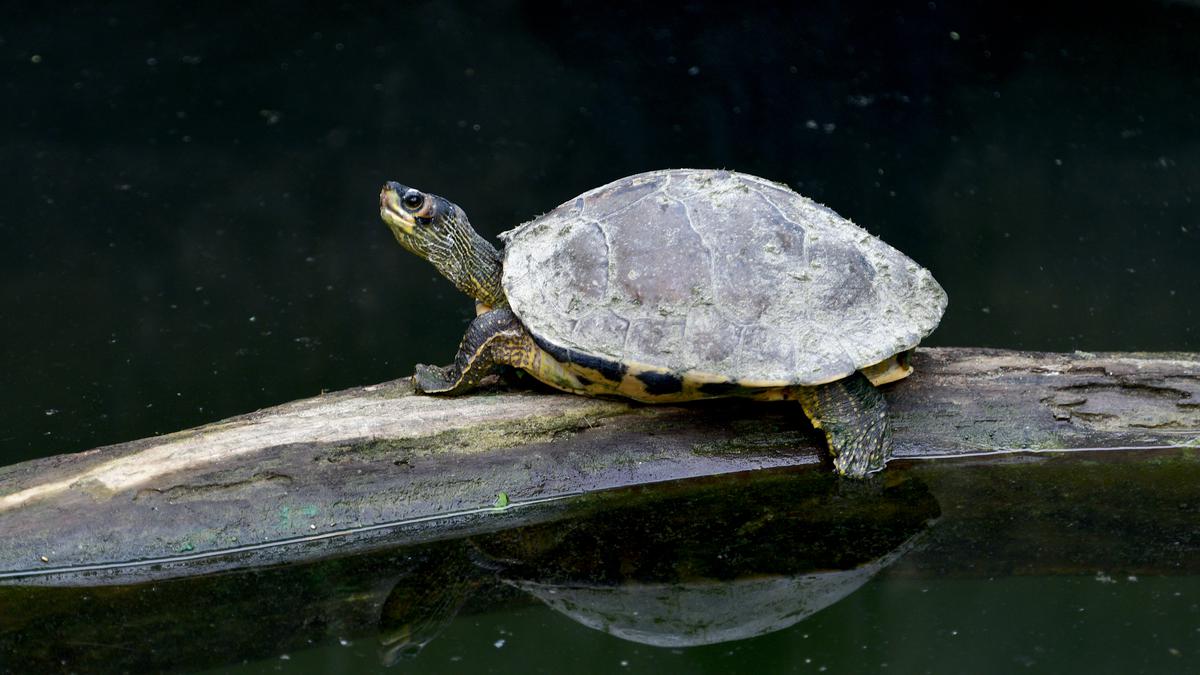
853 415
492 339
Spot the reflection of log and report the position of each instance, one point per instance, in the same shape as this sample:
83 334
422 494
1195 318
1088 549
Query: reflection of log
791 544
373 455
1094 521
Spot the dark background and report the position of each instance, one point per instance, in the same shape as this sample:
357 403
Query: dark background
188 209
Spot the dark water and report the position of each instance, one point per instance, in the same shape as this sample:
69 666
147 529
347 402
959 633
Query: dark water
190 231
189 213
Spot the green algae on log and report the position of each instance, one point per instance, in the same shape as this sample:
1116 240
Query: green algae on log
373 466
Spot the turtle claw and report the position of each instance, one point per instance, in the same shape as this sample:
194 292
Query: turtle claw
858 462
431 379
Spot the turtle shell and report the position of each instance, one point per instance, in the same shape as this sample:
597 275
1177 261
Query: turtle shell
715 276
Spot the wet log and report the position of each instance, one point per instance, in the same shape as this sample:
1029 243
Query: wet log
373 466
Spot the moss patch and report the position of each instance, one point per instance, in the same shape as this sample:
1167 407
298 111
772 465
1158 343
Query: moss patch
774 441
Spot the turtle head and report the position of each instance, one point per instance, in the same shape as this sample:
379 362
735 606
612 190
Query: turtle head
437 230
423 223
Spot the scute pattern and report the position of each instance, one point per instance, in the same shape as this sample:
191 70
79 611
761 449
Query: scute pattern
718 275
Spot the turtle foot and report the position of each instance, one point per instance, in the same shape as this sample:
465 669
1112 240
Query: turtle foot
431 379
853 415
859 460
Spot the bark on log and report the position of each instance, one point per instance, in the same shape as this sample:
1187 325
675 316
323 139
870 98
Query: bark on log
374 466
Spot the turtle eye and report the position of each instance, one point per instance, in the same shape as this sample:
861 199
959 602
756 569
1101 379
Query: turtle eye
413 200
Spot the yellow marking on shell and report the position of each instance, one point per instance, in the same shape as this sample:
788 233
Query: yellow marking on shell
772 394
548 370
567 377
630 386
637 389
888 370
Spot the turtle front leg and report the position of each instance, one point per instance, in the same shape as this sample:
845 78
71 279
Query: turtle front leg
853 415
492 339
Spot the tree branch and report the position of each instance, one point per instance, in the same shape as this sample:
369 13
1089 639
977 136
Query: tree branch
351 470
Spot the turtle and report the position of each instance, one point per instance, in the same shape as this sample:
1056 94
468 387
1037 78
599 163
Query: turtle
684 284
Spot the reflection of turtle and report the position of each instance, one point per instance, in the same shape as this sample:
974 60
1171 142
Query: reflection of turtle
650 571
790 545
705 611
425 600
685 284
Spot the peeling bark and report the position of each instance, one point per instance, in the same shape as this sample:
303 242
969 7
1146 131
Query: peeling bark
355 469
